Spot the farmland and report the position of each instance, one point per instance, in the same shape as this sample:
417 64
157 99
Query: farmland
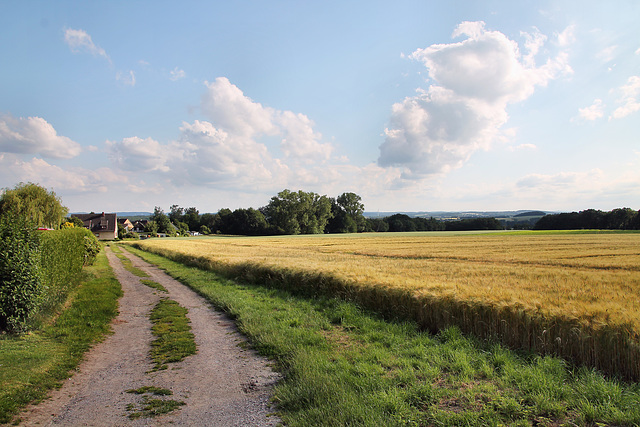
576 295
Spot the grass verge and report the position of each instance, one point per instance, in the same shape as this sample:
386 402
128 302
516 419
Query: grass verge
345 366
174 339
32 364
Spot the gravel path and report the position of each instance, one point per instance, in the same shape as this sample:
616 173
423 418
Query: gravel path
221 385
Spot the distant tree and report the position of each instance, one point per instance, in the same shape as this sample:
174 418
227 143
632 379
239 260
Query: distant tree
209 220
353 206
151 227
175 214
163 221
377 225
298 212
223 221
34 203
204 229
248 222
192 218
340 221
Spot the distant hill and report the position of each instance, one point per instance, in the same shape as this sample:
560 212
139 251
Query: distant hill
444 215
530 213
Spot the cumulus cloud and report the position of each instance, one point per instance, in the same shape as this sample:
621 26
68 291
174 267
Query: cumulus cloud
226 106
80 41
463 110
592 112
73 180
629 99
139 155
34 135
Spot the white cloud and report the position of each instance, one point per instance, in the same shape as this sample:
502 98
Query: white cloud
226 106
629 99
177 74
463 110
74 180
128 79
592 112
139 155
34 135
567 36
607 54
80 41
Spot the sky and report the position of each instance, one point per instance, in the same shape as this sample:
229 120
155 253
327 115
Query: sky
413 105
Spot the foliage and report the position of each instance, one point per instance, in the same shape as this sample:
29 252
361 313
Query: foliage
34 363
21 279
38 269
33 202
617 219
344 366
163 222
298 212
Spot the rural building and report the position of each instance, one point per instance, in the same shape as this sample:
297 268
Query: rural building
103 225
125 223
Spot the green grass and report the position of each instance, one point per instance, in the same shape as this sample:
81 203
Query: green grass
174 339
126 262
345 366
153 284
32 364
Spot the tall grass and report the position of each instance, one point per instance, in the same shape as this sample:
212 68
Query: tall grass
573 295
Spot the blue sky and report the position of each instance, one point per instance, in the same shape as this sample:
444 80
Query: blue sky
413 105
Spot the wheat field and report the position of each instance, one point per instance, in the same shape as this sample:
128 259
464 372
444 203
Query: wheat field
577 295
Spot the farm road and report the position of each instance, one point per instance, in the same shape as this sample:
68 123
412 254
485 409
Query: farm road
221 385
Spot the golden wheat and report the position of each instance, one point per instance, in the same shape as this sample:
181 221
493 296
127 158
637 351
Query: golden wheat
522 287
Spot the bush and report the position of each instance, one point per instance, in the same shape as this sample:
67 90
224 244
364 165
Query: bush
21 285
38 269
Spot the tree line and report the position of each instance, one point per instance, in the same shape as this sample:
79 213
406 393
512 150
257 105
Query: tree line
289 212
617 219
300 212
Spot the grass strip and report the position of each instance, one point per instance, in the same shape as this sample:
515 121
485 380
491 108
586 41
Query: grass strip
174 339
32 364
126 262
345 366
153 284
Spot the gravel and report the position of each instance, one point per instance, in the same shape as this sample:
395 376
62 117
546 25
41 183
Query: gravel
224 384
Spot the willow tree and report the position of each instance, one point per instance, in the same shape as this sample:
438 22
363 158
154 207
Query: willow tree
33 203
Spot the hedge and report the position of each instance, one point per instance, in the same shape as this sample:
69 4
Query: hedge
38 269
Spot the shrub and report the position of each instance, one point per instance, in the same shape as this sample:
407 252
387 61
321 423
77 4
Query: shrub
38 269
21 285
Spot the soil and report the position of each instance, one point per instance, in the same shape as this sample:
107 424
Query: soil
224 384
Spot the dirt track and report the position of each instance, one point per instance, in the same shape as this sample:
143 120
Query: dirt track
221 385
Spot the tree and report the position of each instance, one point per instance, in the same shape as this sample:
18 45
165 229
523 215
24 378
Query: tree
352 205
34 203
298 212
163 221
151 227
175 214
192 218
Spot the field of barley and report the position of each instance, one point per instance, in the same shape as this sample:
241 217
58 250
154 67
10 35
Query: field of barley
575 295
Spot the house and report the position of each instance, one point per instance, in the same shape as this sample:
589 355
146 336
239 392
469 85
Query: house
139 225
125 223
103 225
